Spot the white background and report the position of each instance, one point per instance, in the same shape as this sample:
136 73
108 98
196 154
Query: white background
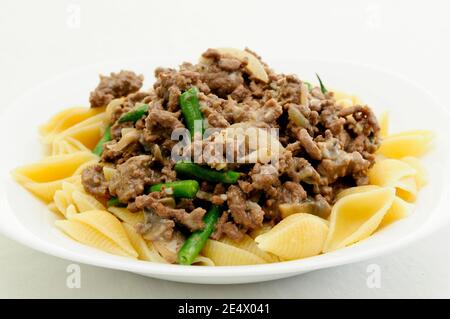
40 39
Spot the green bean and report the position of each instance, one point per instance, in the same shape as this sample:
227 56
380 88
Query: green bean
98 149
190 107
322 87
186 188
197 240
203 173
114 201
309 85
135 114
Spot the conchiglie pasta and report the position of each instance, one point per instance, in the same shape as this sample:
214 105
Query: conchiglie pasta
67 118
141 246
85 202
53 168
395 173
247 243
202 261
127 216
89 236
356 216
421 176
356 190
109 226
227 255
345 100
88 135
399 209
297 236
44 178
412 143
384 124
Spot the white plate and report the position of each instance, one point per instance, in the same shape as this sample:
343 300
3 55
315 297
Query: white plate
26 220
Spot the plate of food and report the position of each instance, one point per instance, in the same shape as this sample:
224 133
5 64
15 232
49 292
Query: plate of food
226 169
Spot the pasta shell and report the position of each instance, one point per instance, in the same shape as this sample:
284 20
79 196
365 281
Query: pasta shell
67 118
140 245
248 244
89 236
356 216
384 124
85 202
395 173
109 226
356 190
127 216
71 210
399 209
227 255
53 168
61 201
296 236
412 143
407 188
421 174
202 261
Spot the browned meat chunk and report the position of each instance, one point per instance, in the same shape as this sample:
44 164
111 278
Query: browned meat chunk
94 181
193 220
131 178
246 213
114 86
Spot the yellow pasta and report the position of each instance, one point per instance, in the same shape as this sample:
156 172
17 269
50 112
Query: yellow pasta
356 216
227 255
421 175
71 210
85 202
53 168
61 201
248 244
297 236
140 245
384 124
411 143
398 210
127 216
202 261
89 236
109 226
395 173
67 118
356 190
346 100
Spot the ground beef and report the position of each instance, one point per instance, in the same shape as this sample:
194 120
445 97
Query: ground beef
291 192
131 178
246 213
94 181
160 124
115 85
192 220
331 149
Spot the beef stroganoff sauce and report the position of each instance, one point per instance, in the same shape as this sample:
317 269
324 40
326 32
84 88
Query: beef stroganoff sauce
224 162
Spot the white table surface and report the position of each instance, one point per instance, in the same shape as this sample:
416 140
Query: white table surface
39 39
